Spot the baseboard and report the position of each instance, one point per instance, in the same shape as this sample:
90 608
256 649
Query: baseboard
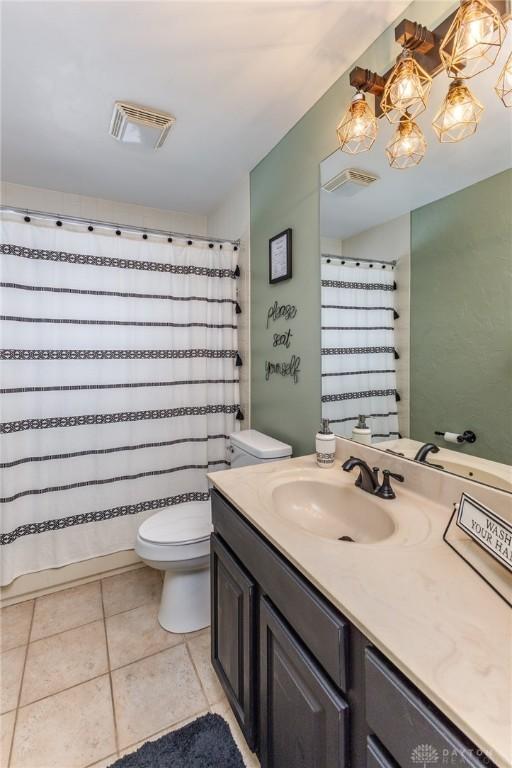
53 580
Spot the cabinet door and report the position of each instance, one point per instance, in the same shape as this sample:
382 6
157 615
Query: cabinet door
408 725
303 718
233 630
376 755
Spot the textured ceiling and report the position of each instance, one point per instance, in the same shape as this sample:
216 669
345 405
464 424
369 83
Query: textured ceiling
237 76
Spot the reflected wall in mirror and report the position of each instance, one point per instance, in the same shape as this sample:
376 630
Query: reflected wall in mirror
417 295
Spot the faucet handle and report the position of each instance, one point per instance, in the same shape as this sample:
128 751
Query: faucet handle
394 475
385 491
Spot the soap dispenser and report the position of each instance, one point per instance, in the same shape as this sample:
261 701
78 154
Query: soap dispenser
325 446
362 432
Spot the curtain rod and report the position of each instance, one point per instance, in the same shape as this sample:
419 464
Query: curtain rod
366 261
112 225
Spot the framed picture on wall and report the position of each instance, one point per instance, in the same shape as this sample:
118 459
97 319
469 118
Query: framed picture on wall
280 257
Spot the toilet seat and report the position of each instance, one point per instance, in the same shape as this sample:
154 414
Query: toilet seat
176 534
186 524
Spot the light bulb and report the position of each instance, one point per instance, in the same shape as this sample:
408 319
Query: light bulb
473 40
407 90
357 130
475 34
504 85
459 115
408 146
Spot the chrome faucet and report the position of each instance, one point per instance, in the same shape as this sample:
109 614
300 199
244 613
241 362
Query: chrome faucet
368 479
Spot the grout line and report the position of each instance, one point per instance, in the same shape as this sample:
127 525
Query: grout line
114 757
134 608
197 674
18 645
102 674
116 737
64 690
148 656
103 616
21 685
62 631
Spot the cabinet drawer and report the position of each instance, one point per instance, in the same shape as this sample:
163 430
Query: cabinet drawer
408 725
376 755
303 718
233 635
322 629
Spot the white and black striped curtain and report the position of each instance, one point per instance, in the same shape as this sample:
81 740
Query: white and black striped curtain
358 349
119 386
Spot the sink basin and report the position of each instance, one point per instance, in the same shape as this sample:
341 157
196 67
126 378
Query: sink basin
333 511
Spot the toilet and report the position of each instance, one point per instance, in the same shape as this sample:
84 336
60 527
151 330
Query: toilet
176 540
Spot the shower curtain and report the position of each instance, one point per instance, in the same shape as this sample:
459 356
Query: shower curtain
119 386
358 349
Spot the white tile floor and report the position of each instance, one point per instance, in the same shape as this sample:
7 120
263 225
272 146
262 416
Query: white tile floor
88 675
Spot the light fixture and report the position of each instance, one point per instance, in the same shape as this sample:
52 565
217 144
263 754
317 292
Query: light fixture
459 114
408 146
357 130
504 85
473 40
407 89
476 31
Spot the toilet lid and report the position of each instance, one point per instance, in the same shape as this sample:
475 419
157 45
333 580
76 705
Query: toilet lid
182 524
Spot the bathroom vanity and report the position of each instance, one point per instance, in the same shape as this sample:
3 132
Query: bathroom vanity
334 653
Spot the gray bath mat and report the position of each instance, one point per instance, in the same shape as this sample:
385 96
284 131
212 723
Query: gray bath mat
204 743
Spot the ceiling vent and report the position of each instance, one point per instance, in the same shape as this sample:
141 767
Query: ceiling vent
133 124
351 180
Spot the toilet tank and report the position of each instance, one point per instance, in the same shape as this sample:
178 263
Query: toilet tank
252 447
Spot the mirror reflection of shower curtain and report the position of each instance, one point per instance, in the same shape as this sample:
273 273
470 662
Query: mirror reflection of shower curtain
358 349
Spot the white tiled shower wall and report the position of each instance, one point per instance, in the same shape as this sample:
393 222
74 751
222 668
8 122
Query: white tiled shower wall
96 208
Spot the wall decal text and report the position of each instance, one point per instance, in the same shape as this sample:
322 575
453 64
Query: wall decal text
291 369
279 311
283 339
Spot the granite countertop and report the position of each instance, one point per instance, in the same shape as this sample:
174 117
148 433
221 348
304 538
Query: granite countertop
411 595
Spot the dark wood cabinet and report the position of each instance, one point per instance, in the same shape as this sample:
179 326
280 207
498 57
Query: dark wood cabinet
304 719
410 727
308 689
376 755
233 635
322 629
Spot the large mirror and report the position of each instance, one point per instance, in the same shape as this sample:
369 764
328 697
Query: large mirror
417 295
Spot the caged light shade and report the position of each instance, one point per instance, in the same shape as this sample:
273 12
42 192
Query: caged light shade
473 40
459 114
406 91
504 85
408 146
357 130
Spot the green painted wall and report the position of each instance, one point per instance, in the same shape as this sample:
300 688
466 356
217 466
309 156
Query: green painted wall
285 193
461 323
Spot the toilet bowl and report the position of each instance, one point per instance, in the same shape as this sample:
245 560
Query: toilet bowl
176 540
